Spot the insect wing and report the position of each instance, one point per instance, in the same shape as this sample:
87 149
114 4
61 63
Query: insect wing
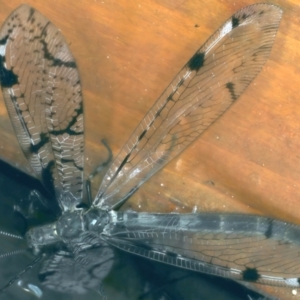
242 247
41 88
203 90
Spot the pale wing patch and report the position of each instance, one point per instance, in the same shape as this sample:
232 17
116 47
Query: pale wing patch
42 92
202 91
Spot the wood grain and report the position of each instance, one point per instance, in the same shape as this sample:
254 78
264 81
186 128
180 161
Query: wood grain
129 51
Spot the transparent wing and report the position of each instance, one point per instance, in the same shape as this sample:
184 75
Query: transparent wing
41 89
204 89
243 247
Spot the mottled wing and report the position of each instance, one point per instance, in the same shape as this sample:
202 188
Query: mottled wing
204 89
41 88
242 247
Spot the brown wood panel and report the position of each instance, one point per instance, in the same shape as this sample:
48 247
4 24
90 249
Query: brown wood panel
128 52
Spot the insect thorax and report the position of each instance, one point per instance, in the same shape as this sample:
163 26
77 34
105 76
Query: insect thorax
70 226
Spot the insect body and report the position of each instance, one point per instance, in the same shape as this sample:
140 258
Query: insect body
41 88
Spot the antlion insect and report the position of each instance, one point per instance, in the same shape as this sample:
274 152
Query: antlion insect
42 92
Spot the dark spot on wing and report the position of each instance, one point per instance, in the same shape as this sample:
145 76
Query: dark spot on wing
235 22
250 274
142 135
268 232
196 62
68 161
230 86
68 130
123 163
172 254
180 83
55 61
44 140
31 13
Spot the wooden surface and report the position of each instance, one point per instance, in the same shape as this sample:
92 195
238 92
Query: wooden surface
129 51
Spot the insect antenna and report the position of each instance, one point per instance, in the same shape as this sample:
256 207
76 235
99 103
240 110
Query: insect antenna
25 270
11 253
16 252
11 235
105 163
